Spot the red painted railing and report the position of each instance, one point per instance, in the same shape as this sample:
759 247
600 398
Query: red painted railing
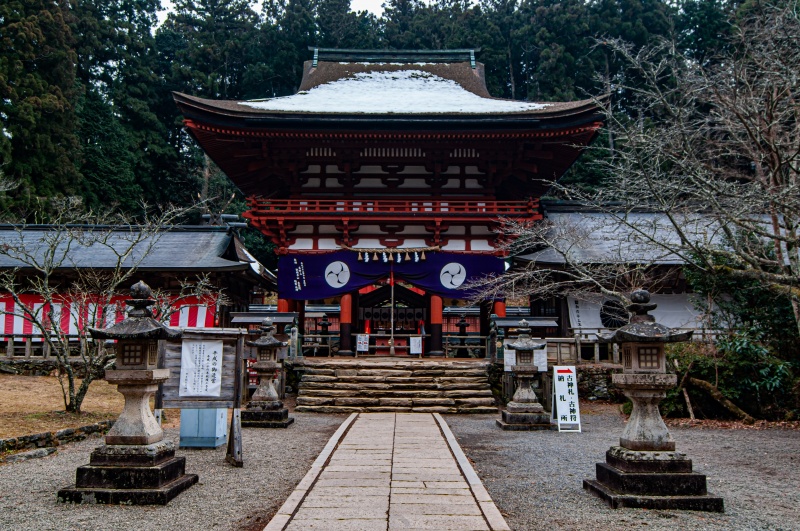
327 208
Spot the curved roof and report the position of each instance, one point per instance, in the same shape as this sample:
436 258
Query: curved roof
99 247
385 96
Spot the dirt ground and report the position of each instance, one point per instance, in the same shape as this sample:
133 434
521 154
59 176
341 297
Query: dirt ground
34 404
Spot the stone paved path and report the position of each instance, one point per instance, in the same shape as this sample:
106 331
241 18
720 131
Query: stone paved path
390 471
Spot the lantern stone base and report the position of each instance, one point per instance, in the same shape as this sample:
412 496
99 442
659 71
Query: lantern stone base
524 417
266 416
524 421
524 412
130 474
651 480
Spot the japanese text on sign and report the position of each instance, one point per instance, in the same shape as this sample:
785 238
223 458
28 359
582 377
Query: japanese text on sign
415 344
362 343
566 410
201 368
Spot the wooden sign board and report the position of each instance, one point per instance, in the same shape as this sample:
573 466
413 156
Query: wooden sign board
232 340
197 346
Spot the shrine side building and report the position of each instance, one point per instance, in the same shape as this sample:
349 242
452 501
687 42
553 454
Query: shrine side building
384 177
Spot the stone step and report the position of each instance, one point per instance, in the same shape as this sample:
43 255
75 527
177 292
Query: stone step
404 364
323 391
363 374
377 409
354 388
342 386
409 401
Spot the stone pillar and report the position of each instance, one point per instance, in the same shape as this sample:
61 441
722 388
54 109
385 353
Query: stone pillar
645 430
436 326
499 308
346 325
300 308
136 424
462 324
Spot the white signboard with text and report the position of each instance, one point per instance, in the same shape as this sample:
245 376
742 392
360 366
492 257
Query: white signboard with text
415 345
566 410
201 368
509 355
362 343
540 358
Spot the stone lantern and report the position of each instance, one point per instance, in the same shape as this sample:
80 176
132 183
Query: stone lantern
645 470
325 324
524 412
462 325
136 465
265 410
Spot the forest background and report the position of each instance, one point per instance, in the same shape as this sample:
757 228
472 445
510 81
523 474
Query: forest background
85 85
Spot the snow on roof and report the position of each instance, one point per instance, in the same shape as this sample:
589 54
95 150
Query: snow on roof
392 92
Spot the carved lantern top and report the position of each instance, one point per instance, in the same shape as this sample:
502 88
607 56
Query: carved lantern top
267 346
524 342
139 324
643 327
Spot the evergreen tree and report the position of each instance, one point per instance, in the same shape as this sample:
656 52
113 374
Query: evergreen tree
211 38
704 27
555 45
398 24
37 90
338 27
117 70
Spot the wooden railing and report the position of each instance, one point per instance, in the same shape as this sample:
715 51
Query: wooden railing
32 346
326 208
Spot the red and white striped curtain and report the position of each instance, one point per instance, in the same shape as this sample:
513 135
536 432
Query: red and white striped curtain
73 317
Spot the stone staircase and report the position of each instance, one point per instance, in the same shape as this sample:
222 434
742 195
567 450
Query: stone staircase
393 384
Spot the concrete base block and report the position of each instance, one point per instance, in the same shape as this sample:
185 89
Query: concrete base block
525 427
617 500
147 475
525 421
266 419
157 496
651 480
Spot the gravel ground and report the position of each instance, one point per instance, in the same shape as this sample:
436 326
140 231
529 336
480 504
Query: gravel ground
535 478
275 460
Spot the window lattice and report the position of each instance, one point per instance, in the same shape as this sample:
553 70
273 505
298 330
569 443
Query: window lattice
648 357
132 355
627 358
152 352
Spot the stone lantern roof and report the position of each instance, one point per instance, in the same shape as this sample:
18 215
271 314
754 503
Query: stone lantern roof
524 342
266 340
643 327
140 323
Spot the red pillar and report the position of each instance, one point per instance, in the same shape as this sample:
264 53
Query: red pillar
436 326
283 305
346 325
499 308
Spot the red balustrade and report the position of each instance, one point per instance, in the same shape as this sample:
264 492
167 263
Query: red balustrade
367 208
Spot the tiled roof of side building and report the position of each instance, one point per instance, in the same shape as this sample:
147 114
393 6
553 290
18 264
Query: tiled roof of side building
186 248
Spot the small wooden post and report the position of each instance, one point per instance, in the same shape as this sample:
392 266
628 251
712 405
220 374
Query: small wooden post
234 452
